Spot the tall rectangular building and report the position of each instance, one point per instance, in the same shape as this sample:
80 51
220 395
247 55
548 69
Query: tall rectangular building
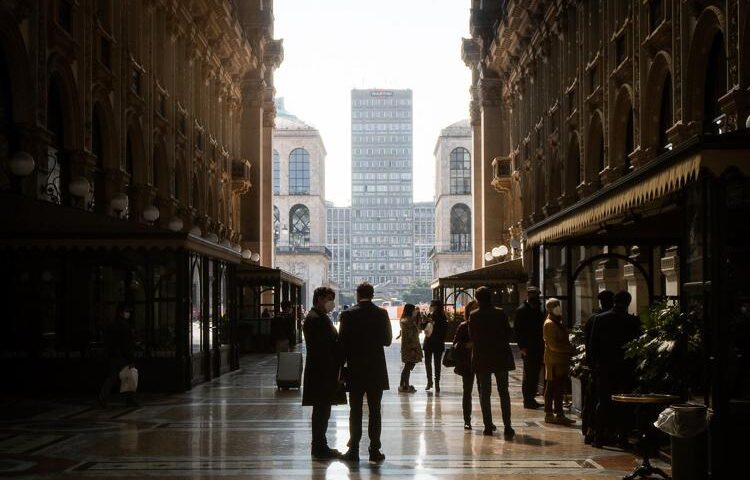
424 240
382 231
338 241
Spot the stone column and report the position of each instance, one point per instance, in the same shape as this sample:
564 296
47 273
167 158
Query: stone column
494 132
607 275
476 179
251 149
266 188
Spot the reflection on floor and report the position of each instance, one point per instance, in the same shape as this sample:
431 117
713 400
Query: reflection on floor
240 426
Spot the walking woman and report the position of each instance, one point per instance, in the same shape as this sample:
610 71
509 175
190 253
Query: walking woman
557 353
434 342
462 347
411 351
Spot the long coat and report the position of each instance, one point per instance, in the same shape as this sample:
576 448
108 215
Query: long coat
323 362
528 327
411 350
489 330
365 329
557 346
462 348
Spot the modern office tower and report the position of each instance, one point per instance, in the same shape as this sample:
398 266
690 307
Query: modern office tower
382 231
424 240
299 210
453 232
339 243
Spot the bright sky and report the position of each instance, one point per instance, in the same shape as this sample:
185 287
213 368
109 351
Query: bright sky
332 46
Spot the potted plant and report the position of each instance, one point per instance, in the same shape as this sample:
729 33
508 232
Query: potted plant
579 371
668 356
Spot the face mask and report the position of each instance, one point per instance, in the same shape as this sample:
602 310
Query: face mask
557 311
330 305
126 315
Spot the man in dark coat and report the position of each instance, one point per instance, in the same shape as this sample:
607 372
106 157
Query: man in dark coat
528 327
612 372
588 384
282 328
365 329
119 346
322 365
489 331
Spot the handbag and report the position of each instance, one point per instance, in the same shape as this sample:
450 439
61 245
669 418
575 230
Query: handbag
449 359
128 379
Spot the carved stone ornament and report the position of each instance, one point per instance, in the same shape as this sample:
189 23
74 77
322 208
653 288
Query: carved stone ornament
490 91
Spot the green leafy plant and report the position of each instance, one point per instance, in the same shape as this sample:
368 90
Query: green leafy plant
578 366
668 356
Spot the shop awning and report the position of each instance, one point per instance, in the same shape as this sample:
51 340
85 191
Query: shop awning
511 271
250 273
657 179
34 224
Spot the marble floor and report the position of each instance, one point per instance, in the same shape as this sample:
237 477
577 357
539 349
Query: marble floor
240 426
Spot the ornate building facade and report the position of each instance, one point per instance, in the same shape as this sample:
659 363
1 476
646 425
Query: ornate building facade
453 187
611 140
130 127
299 210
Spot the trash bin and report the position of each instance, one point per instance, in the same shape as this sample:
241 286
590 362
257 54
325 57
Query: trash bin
686 424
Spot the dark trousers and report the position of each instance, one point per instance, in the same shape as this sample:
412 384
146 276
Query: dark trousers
532 366
320 415
355 417
406 373
588 407
429 356
484 384
553 395
468 384
610 419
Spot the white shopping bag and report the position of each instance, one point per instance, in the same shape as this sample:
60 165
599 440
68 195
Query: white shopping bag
128 379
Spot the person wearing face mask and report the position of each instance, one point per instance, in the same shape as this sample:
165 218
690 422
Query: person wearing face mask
557 353
411 351
320 388
434 342
119 346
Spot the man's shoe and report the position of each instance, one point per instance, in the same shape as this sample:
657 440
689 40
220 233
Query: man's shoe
376 456
563 420
509 433
437 387
488 431
494 427
588 438
351 455
429 385
411 389
133 403
467 426
549 418
403 389
531 406
326 454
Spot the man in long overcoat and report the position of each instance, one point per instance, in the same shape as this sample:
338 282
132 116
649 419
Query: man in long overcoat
365 329
528 326
489 330
322 366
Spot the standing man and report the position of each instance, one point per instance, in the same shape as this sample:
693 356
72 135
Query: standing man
282 328
528 327
612 372
606 302
365 329
119 346
489 331
321 383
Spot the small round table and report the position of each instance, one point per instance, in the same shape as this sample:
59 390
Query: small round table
649 403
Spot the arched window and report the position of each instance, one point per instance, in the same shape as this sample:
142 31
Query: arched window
299 225
299 172
665 114
276 223
460 171
276 173
460 228
715 85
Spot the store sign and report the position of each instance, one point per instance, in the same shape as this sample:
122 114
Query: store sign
381 93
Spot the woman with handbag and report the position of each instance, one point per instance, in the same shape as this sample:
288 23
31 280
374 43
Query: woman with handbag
462 355
434 342
411 351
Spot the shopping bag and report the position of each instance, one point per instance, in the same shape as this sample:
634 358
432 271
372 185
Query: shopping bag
128 379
